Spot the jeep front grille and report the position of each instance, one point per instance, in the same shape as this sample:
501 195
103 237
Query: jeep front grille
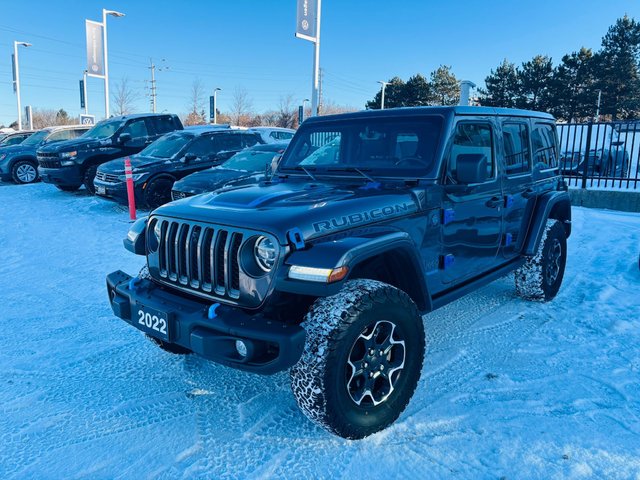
198 257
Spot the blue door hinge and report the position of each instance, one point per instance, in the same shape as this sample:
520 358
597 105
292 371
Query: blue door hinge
448 215
508 239
508 201
295 238
447 261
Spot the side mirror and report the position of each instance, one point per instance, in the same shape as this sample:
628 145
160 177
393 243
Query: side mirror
189 157
123 138
471 168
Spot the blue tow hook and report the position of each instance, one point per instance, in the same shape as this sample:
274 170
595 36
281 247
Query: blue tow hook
211 314
133 283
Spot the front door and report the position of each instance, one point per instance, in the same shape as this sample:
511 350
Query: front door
472 214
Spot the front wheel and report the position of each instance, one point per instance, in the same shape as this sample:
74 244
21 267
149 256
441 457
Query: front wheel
24 171
540 278
362 359
158 192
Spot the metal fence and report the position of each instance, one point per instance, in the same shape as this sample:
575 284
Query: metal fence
600 154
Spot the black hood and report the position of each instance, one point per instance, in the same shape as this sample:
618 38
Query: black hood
137 161
209 180
315 208
80 143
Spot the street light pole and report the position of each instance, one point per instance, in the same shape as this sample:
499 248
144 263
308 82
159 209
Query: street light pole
316 64
113 13
215 104
598 106
384 86
16 67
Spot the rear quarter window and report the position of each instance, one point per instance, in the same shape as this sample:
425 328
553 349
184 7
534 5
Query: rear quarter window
545 150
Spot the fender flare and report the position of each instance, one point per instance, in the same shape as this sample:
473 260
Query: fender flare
550 205
353 251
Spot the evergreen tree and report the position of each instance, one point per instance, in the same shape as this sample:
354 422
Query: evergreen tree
417 91
394 95
445 87
535 78
502 86
572 88
617 70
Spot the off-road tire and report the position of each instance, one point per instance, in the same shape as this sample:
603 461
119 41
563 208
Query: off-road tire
22 168
68 188
88 177
540 278
158 192
320 380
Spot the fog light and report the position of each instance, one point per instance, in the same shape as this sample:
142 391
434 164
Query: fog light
241 348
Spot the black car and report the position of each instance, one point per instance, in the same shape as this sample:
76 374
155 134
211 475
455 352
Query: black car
170 158
247 166
19 163
372 220
15 138
69 165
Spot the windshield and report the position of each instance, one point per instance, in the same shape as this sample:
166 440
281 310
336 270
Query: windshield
384 147
36 138
167 146
250 160
104 129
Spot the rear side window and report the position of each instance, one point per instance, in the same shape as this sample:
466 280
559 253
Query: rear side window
545 153
78 132
517 155
471 138
163 125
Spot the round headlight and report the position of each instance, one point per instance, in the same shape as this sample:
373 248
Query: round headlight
265 253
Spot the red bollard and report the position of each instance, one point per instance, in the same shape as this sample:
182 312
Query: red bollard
130 195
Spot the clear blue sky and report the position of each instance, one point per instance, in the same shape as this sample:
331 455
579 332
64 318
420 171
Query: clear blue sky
251 43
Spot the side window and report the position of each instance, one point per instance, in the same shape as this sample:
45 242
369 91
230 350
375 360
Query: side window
203 146
163 125
78 132
229 141
517 156
136 128
249 139
60 135
471 138
543 139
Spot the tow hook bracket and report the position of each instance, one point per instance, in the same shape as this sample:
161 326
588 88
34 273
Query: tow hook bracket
294 236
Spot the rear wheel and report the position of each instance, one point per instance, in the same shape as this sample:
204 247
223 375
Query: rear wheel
540 278
158 192
24 171
362 359
89 176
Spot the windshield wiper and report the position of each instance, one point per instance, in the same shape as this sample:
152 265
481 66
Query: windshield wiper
352 169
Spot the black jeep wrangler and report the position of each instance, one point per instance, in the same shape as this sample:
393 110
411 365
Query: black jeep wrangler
71 164
371 220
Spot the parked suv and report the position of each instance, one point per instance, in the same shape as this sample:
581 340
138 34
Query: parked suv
372 220
247 166
274 134
69 165
176 155
19 162
15 138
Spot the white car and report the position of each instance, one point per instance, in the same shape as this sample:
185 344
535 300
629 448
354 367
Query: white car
274 134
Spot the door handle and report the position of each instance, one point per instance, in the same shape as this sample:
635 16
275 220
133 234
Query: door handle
494 202
528 193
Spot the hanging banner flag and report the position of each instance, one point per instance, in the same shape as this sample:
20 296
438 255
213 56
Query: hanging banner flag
95 49
307 20
13 69
81 93
212 107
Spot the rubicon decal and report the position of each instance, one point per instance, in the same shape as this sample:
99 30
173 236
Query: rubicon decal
361 217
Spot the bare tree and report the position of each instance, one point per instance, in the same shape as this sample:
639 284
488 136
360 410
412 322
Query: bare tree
240 106
48 117
123 98
287 115
196 115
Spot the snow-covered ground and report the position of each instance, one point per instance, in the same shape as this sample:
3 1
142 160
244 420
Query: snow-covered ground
509 389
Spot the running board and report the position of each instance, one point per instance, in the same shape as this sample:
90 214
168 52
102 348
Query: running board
449 295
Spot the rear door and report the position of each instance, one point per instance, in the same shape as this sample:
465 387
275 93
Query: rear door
517 183
472 214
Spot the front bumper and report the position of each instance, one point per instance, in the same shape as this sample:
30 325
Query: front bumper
65 176
116 191
273 346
